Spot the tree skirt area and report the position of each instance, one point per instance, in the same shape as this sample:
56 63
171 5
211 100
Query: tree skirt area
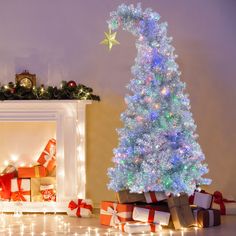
51 224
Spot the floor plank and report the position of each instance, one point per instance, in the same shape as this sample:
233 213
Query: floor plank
39 224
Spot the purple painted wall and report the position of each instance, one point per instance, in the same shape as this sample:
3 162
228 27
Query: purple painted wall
59 40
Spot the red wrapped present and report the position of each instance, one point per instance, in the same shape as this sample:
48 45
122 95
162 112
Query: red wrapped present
20 190
135 227
112 213
153 197
48 193
206 218
226 207
48 156
202 199
151 216
32 172
80 208
5 185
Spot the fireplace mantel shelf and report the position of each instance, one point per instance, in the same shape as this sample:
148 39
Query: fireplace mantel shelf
47 101
70 118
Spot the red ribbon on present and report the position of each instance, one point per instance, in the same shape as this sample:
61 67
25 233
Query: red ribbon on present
218 199
5 185
73 205
19 195
151 215
153 196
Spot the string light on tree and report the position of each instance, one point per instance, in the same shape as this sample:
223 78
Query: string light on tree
158 123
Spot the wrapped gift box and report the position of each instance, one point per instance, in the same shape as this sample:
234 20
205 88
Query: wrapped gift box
138 227
36 195
20 190
154 197
203 200
80 208
206 218
9 169
125 196
31 172
5 185
48 192
150 216
52 173
160 206
48 156
113 213
226 209
149 197
180 210
226 206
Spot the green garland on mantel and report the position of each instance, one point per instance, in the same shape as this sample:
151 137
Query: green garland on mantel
67 91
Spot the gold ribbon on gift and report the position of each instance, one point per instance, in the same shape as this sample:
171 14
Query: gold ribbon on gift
115 215
36 170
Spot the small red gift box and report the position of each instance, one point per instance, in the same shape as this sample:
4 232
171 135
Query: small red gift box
135 227
112 213
80 208
5 185
32 172
48 156
48 193
20 190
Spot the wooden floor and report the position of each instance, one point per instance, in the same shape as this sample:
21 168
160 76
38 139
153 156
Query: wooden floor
39 224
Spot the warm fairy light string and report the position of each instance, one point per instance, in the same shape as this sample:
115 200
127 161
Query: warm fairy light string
158 148
27 225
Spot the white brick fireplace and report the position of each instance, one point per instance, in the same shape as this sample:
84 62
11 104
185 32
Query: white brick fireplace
69 116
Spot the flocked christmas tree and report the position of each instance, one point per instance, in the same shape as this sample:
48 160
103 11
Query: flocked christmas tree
157 148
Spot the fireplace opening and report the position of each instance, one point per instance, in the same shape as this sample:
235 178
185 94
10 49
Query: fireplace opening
28 161
67 119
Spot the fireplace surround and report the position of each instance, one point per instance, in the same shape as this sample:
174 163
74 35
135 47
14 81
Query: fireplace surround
70 118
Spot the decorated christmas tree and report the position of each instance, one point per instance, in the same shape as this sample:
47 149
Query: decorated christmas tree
158 148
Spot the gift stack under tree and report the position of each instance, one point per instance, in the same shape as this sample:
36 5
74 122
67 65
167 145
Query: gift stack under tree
158 161
32 183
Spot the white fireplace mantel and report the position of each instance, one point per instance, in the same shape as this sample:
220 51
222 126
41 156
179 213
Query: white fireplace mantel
69 116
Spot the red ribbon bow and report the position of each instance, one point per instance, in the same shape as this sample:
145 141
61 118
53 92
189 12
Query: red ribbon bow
218 199
19 195
81 204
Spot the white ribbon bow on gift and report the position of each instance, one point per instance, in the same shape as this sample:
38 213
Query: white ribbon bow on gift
49 155
115 215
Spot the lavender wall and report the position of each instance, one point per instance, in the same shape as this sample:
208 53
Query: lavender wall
59 40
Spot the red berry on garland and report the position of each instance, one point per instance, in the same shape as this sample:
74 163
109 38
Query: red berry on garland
71 84
12 90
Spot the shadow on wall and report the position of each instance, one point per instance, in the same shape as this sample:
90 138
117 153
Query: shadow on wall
103 119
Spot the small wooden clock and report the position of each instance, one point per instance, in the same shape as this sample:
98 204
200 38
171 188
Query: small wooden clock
25 79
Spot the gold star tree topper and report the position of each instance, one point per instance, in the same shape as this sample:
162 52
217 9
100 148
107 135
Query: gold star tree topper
110 39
